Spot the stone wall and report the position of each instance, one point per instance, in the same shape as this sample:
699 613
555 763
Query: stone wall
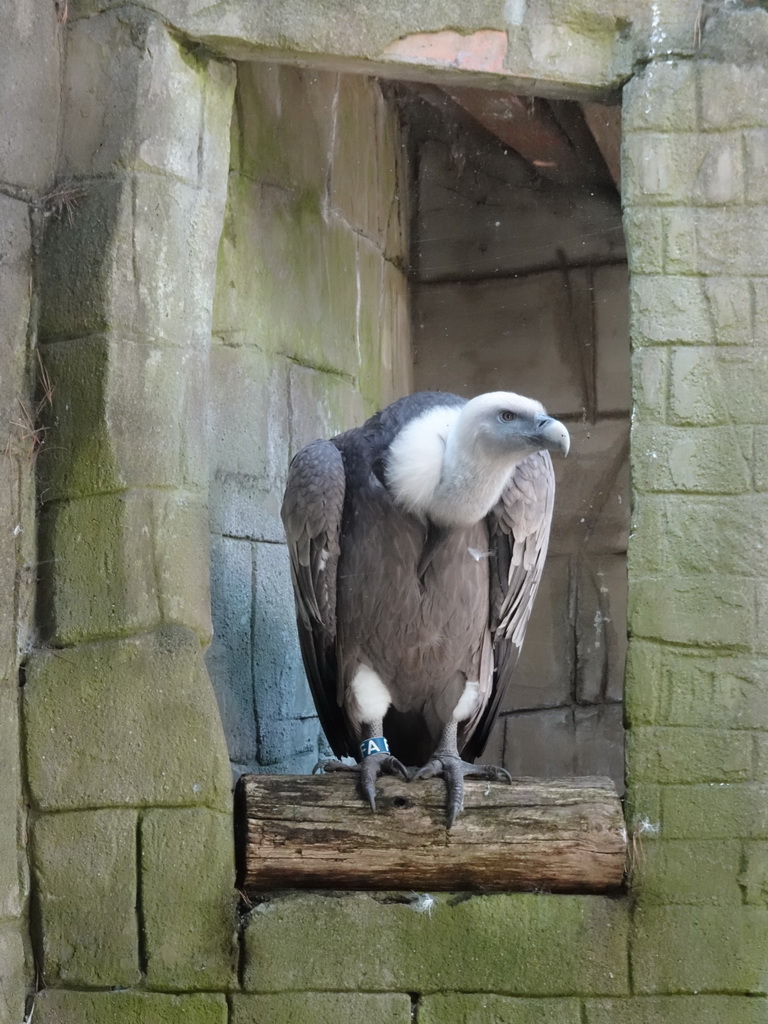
126 768
310 336
29 111
521 284
123 765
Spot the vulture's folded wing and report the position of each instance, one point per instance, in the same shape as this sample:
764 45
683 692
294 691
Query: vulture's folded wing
519 535
311 513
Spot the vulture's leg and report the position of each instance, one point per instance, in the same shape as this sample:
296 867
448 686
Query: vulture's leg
446 761
372 766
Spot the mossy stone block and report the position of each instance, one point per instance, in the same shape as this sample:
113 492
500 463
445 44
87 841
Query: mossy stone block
694 872
522 944
84 866
718 385
78 458
699 169
661 97
134 99
11 857
365 170
713 460
322 1008
463 1008
644 229
57 1006
692 611
140 725
278 242
677 950
733 96
681 253
139 257
98 567
229 657
15 298
120 563
691 687
716 227
716 810
685 533
249 442
130 100
13 976
285 121
124 414
321 405
671 754
669 310
650 376
87 266
753 879
677 1010
180 537
188 899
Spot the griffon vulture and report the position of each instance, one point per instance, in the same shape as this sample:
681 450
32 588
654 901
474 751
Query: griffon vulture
417 543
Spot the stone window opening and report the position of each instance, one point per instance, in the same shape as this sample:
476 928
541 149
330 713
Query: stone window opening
419 238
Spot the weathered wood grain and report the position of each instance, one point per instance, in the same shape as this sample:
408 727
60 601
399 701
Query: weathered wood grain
298 831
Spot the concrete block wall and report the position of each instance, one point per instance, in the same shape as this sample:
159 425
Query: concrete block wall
310 335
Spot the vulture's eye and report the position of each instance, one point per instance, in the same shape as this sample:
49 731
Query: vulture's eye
507 416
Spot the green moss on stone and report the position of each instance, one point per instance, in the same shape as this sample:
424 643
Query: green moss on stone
715 811
322 1008
700 949
690 755
694 611
13 976
677 1010
460 1008
690 687
139 725
508 944
59 1007
84 865
693 872
188 899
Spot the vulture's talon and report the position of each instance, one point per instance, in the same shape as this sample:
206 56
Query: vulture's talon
454 771
371 768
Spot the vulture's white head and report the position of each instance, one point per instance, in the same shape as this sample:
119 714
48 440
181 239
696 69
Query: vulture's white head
502 426
451 464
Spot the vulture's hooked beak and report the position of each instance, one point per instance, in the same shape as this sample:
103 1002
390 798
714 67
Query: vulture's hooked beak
554 435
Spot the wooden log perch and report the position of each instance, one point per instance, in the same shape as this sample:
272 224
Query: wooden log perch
300 831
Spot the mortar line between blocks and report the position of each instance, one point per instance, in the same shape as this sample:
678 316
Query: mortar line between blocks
140 922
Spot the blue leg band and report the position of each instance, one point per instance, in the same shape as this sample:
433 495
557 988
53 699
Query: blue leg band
375 745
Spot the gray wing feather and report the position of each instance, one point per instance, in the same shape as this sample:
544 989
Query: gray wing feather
311 513
520 524
519 535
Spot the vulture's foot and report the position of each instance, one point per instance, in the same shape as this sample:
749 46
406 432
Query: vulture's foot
454 771
369 770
